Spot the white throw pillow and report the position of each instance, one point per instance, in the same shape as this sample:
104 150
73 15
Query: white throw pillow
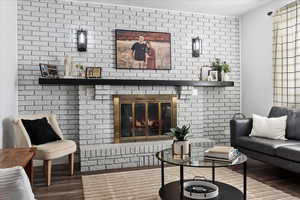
273 128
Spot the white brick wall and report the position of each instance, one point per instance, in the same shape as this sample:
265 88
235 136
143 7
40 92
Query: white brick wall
47 33
109 156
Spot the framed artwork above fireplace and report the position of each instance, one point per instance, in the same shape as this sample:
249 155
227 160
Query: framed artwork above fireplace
143 117
143 50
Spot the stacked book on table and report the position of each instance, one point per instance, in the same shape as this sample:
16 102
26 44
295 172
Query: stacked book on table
221 153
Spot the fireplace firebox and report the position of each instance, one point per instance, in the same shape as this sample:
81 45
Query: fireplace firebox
143 117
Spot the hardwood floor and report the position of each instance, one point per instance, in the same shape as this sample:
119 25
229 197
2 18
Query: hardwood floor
66 187
63 186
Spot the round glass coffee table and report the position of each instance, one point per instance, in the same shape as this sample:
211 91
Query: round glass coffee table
175 190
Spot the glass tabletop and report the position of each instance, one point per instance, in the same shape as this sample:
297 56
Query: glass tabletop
197 159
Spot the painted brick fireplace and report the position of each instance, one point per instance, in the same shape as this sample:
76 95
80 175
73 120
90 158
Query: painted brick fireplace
96 127
47 33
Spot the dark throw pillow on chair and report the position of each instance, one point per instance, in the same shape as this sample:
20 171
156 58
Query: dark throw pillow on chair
40 131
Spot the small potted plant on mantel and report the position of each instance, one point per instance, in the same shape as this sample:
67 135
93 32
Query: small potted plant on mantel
221 67
226 70
181 142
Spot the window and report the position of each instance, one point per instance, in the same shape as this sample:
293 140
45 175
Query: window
286 56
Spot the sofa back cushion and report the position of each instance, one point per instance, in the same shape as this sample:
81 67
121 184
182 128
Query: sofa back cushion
293 121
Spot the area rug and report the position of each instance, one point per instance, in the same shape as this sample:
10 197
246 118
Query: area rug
144 184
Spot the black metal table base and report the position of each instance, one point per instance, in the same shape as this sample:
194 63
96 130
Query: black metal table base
175 190
171 191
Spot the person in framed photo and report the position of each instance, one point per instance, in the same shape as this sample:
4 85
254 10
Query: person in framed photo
143 50
138 52
150 56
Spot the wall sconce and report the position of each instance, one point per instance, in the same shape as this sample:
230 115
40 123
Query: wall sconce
81 40
196 47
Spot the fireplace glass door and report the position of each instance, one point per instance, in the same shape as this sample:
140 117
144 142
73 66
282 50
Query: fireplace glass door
143 117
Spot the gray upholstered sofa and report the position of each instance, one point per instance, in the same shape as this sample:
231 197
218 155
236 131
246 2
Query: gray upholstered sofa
281 153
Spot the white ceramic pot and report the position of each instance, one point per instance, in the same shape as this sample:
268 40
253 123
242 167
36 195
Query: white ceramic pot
226 77
179 144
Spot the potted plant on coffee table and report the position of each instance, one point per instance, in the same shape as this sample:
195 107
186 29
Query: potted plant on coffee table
181 144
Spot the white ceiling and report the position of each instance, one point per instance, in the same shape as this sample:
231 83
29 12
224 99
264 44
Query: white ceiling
219 7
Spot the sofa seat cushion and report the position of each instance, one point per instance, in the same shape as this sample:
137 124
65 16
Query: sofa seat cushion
53 150
263 145
289 152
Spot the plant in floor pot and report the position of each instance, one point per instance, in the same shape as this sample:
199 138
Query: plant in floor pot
181 142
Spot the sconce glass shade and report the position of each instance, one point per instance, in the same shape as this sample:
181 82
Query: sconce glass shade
196 47
81 40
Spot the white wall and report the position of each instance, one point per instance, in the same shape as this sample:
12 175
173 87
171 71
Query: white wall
8 67
256 42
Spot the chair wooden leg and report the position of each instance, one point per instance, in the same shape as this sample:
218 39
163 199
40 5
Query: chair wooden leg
71 164
47 170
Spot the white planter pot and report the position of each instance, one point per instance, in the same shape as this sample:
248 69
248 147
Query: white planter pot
226 77
178 144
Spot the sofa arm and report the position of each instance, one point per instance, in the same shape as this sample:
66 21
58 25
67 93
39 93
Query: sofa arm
238 128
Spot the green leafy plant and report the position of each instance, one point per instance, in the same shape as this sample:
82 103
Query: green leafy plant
217 65
79 66
180 133
220 66
226 68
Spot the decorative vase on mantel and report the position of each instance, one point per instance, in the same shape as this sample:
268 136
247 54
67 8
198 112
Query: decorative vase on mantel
181 145
220 75
68 67
226 77
226 70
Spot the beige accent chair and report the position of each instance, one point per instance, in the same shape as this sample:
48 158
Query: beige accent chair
49 151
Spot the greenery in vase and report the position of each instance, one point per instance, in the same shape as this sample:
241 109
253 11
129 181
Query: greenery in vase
220 66
226 68
80 69
79 66
180 133
217 65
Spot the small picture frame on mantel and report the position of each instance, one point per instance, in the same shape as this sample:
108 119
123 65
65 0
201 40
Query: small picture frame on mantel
93 72
48 71
204 73
213 75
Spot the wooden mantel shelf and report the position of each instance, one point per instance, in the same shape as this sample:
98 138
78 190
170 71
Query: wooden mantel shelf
69 81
